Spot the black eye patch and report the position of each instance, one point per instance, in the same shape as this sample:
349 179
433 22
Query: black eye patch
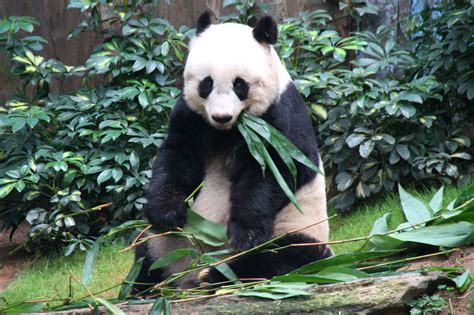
205 87
241 88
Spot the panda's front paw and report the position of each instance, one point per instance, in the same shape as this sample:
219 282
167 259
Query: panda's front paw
210 276
166 216
243 237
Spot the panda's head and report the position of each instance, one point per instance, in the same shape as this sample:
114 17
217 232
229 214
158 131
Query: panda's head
232 68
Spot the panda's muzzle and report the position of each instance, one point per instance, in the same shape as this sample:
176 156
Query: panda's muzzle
222 119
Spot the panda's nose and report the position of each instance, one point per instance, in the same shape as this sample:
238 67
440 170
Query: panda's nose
222 119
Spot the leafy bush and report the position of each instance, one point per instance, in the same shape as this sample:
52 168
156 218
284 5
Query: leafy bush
384 117
65 157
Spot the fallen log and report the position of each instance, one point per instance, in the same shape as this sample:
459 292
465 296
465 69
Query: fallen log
373 295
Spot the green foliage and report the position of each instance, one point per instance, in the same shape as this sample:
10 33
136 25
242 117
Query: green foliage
384 117
62 155
427 305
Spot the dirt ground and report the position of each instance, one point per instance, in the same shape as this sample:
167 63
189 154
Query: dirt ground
11 265
461 304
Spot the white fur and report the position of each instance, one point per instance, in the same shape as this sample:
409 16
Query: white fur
224 52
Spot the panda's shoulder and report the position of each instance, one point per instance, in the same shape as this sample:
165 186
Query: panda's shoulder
183 118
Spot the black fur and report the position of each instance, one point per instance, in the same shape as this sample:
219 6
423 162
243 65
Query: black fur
205 87
203 22
269 264
241 88
266 30
256 200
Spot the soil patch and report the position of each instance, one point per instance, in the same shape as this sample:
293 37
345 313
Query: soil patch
11 265
460 303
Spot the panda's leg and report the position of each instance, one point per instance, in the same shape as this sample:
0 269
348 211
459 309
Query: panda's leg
268 264
146 278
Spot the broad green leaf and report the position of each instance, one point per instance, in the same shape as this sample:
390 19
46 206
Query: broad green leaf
463 281
132 224
6 189
24 308
128 282
104 176
437 201
223 268
446 235
415 210
89 262
380 225
173 256
402 150
252 147
276 291
113 309
211 233
342 259
278 140
160 307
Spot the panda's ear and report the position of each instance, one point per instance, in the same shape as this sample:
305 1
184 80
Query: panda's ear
266 30
203 22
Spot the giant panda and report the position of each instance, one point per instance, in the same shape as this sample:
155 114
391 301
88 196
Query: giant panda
232 68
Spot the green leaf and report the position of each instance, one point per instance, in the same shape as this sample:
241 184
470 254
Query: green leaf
161 306
366 148
355 139
380 225
463 281
134 160
412 97
446 235
113 309
210 233
89 262
415 210
24 308
276 291
437 201
6 189
342 259
173 256
104 176
223 268
402 150
128 282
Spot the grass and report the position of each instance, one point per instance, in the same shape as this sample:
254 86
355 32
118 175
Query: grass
359 222
50 277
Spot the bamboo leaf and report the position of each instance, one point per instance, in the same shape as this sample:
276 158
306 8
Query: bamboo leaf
342 259
161 306
204 230
415 210
437 201
113 309
446 235
173 256
128 283
89 262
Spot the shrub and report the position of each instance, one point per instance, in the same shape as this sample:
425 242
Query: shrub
65 157
384 117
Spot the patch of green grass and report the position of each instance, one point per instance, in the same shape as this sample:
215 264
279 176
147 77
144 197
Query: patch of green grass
51 277
359 222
